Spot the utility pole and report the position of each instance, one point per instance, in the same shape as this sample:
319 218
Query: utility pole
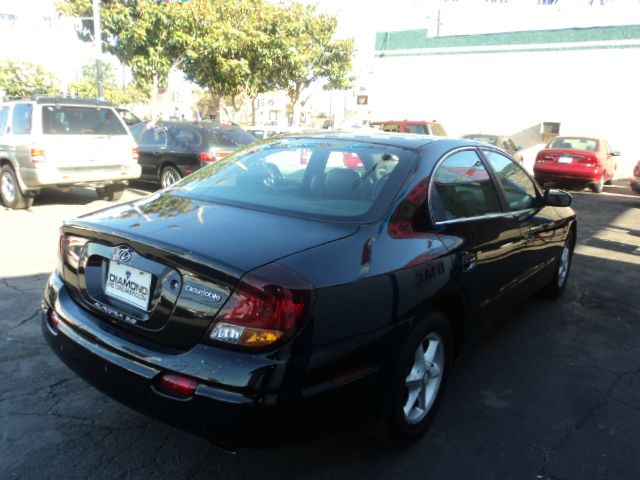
97 31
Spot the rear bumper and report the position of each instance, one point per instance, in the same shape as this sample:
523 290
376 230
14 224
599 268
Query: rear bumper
562 174
49 175
255 398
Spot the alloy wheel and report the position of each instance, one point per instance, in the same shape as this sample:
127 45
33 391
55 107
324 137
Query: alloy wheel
563 267
8 186
169 177
423 382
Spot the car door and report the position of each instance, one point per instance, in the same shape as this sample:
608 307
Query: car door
471 221
152 146
539 225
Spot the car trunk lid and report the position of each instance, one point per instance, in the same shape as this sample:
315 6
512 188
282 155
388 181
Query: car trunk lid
163 267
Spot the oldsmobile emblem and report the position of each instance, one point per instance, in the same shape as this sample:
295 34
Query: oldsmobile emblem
122 255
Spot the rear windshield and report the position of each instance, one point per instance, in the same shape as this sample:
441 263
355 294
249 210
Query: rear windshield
587 144
311 178
72 120
230 137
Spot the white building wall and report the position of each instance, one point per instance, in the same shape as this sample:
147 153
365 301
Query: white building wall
590 92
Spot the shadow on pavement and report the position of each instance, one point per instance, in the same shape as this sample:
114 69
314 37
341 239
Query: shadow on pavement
76 196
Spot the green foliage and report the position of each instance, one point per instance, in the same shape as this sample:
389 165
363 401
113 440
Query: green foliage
146 35
23 79
87 86
306 52
232 49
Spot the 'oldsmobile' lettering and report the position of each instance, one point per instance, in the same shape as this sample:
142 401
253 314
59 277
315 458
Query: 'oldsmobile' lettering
203 293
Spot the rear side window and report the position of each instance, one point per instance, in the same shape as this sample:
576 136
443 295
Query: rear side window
4 116
154 137
186 138
518 187
230 137
462 188
72 120
21 124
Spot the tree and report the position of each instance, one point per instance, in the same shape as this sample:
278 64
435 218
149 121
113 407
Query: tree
307 53
86 86
147 35
230 54
24 79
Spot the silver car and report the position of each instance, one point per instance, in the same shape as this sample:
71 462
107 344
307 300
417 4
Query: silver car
56 142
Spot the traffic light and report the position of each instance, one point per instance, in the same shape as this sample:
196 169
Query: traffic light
363 100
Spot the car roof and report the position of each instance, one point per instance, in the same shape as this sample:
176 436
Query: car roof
404 140
421 122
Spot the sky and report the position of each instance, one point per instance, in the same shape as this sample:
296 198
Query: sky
56 46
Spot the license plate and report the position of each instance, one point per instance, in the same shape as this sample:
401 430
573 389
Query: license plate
128 285
565 159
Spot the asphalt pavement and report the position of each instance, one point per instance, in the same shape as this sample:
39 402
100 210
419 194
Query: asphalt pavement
552 392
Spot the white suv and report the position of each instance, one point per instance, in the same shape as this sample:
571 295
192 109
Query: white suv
59 142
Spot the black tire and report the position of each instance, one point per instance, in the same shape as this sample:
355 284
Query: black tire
556 287
393 423
598 186
12 196
110 193
168 176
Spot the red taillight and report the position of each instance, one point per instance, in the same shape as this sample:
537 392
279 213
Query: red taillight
588 161
37 155
135 154
176 385
70 249
268 307
544 158
207 157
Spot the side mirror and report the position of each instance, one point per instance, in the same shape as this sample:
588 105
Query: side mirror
557 198
615 154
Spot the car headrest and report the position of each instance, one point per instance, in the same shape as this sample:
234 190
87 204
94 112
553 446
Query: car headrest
340 183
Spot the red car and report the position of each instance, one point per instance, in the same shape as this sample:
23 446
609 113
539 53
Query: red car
576 161
634 181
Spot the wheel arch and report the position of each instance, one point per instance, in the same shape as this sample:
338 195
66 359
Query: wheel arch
453 306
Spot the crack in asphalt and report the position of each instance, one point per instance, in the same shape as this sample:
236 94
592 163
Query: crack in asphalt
543 474
22 322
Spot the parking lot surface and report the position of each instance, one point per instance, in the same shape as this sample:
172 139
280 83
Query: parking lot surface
552 392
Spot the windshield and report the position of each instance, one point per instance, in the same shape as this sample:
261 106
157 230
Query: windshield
66 120
588 144
312 178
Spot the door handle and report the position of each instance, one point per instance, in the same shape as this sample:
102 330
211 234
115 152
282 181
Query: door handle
468 261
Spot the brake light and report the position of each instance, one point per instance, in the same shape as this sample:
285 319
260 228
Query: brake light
135 154
543 158
268 307
588 161
207 157
37 155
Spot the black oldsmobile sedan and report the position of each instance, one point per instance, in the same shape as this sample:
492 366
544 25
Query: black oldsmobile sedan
305 268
